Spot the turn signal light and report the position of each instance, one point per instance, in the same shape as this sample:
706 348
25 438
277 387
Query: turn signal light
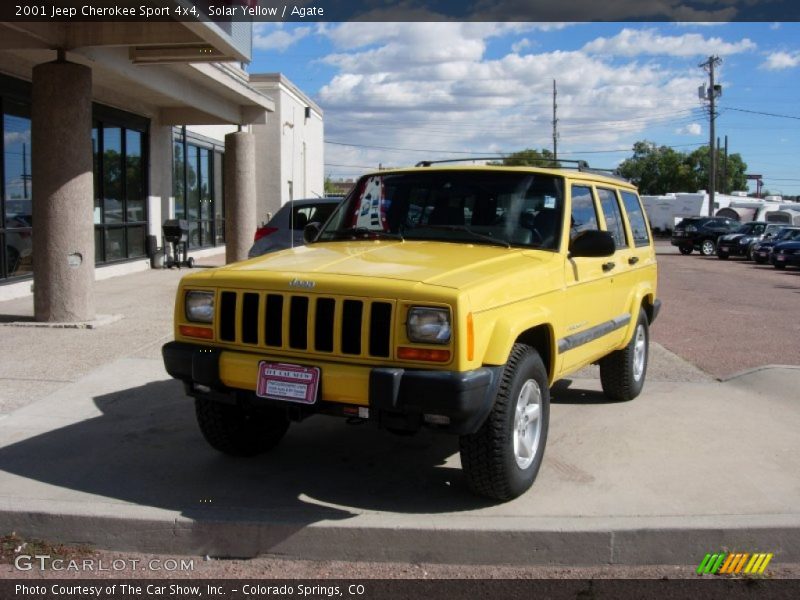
424 354
196 332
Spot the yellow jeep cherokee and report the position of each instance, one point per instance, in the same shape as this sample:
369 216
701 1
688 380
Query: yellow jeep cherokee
437 296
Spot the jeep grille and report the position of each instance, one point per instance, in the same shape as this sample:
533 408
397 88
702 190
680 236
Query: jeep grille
306 323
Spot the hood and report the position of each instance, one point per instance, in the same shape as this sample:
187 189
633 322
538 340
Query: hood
787 246
732 237
456 266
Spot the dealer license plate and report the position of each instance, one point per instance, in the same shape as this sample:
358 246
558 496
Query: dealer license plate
289 383
780 257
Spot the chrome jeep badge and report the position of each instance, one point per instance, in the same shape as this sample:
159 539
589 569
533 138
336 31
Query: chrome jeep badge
301 283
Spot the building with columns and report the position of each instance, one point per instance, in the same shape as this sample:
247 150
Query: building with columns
104 138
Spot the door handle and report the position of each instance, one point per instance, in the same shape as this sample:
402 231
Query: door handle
608 266
633 260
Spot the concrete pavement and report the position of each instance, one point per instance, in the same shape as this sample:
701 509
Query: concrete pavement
103 449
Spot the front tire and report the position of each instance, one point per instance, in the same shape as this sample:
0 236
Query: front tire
501 460
708 247
622 373
237 431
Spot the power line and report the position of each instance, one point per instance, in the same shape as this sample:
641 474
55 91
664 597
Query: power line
765 114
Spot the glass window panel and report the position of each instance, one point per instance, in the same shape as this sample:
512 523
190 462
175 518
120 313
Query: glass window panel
134 176
136 241
192 183
206 238
219 212
98 245
584 216
219 229
115 243
611 212
636 219
194 235
112 174
179 164
205 184
19 252
98 202
17 163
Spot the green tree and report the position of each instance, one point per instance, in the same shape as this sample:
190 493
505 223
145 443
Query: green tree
528 158
660 169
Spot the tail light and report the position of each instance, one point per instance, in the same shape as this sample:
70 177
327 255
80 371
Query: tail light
264 232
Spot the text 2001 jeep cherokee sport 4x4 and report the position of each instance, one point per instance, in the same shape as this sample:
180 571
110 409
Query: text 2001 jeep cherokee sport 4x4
438 296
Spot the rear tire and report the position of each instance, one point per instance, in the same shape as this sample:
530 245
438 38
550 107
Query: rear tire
237 431
722 255
622 373
501 460
779 266
685 250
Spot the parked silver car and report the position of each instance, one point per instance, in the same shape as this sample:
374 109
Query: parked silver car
285 229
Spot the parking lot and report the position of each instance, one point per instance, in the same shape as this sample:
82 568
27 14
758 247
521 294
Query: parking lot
617 479
726 316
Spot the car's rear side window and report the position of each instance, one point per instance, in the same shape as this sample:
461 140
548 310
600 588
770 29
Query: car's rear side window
641 236
613 216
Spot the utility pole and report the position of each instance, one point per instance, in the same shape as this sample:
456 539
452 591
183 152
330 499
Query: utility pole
714 91
555 122
725 169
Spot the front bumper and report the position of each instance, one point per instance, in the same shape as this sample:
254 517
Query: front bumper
401 399
732 249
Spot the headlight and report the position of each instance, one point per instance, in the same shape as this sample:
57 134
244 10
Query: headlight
428 325
200 307
745 241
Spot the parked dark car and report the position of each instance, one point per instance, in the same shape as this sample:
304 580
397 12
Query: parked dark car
785 254
740 241
285 229
762 250
701 233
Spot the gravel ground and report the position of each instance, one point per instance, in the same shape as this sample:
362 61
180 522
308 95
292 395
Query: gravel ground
727 316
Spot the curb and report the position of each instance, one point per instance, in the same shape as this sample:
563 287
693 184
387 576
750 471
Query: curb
545 541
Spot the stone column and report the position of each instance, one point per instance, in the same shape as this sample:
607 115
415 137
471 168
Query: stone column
61 168
240 195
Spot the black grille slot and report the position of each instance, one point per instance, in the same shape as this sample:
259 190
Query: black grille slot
380 320
227 317
323 326
273 323
298 323
351 326
250 319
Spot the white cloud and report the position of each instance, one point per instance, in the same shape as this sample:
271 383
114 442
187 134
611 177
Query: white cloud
431 86
775 26
274 37
690 129
777 61
521 45
636 42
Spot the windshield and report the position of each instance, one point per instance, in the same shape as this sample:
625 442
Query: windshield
459 206
789 234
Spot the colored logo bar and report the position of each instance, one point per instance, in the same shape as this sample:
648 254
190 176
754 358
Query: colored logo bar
733 563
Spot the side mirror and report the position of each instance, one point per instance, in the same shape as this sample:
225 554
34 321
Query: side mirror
310 232
592 243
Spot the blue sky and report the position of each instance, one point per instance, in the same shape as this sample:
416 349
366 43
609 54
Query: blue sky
397 93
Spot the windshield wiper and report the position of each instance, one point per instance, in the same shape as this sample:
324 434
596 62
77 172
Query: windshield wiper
475 234
365 231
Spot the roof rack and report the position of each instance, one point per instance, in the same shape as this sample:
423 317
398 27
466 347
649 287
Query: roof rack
580 165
